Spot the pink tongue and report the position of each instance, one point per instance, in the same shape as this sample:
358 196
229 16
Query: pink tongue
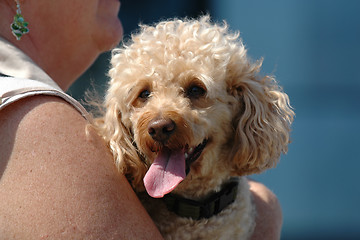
166 172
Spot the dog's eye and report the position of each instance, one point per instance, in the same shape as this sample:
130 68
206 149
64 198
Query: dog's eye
144 94
195 92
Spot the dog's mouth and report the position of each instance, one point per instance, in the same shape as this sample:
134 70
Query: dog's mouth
193 154
169 168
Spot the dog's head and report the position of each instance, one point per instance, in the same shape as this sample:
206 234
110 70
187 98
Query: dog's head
185 102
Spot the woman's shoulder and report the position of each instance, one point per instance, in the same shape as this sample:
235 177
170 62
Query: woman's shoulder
40 121
55 176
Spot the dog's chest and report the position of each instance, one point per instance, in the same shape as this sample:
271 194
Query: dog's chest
234 222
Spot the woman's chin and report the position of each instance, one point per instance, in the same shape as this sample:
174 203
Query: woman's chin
110 36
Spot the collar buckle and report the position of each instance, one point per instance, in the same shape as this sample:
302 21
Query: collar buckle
207 208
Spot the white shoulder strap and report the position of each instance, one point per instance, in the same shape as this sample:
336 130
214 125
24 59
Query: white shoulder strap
13 89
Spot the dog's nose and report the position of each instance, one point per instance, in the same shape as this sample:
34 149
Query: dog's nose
161 129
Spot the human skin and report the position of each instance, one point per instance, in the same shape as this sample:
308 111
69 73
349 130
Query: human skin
56 181
269 215
60 183
65 36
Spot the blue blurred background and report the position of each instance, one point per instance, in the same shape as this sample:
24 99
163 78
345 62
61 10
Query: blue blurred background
313 49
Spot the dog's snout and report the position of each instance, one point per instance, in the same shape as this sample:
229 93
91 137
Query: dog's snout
161 129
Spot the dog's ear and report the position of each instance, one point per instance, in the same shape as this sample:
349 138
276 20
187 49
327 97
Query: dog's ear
120 141
262 120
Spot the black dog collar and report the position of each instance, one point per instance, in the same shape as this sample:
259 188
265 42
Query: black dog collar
207 208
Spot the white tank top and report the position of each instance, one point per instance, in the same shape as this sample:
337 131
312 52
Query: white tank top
13 89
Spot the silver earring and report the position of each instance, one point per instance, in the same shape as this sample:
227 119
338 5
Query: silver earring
19 26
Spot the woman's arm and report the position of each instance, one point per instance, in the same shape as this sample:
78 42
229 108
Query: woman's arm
269 215
57 182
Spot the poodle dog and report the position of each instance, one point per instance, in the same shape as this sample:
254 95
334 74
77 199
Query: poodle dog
188 116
